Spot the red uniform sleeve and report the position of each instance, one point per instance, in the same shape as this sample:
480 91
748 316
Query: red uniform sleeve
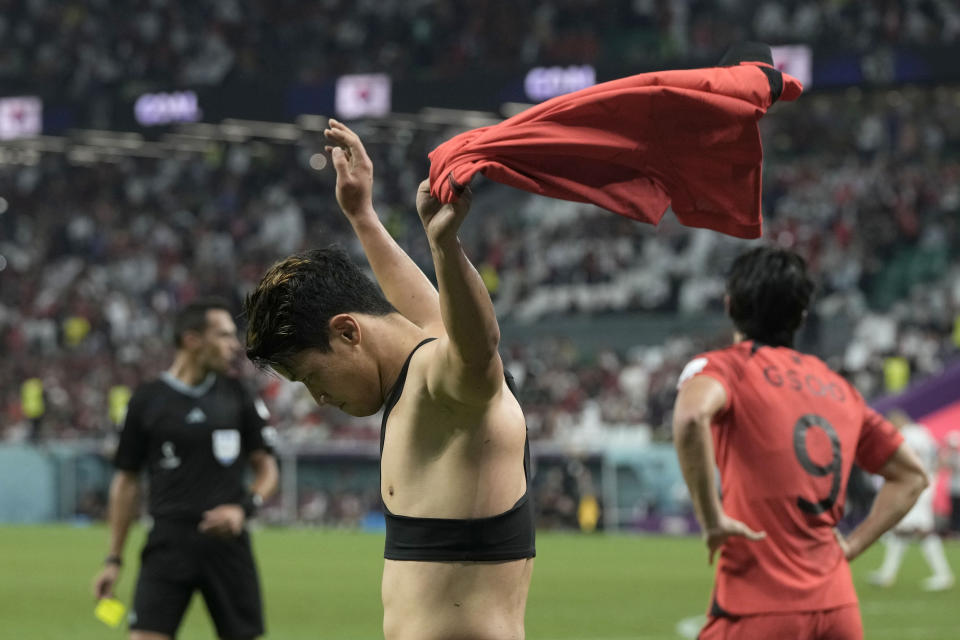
714 364
878 441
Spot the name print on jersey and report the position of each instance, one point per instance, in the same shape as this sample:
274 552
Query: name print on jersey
810 383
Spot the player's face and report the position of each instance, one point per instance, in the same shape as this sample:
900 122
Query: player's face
220 344
343 378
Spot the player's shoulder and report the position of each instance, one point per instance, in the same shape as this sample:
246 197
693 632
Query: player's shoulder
726 360
728 356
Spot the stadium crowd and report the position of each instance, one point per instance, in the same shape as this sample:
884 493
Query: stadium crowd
95 256
85 46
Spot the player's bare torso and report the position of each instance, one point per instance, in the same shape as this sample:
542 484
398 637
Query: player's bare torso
444 461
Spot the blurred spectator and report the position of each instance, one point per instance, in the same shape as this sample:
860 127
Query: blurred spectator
86 46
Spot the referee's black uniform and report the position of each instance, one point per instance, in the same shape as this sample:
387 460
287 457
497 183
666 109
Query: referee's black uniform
194 443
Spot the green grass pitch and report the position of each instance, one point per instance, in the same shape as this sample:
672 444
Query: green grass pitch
321 584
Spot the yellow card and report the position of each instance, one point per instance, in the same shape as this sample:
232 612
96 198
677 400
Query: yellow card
109 611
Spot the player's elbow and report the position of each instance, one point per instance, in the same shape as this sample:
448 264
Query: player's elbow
920 481
266 473
912 485
687 425
688 419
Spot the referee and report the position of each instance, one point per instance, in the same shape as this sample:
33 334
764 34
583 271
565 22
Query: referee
192 430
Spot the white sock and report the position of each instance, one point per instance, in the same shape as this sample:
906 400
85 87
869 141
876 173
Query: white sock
932 548
895 548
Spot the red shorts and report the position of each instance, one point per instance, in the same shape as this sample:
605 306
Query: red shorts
842 623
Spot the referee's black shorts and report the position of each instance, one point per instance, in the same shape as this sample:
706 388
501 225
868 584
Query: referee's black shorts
178 559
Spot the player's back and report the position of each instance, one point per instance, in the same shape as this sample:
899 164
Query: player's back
785 444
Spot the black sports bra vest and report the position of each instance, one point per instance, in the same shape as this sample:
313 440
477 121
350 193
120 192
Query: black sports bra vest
507 536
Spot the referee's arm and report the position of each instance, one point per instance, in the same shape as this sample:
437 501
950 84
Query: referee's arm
124 490
228 519
265 474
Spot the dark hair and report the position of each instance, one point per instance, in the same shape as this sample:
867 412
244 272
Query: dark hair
193 317
769 293
290 309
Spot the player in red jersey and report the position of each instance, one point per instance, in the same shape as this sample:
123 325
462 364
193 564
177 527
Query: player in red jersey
785 431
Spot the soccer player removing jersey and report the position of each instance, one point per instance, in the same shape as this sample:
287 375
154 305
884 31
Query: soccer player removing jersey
454 464
784 431
194 430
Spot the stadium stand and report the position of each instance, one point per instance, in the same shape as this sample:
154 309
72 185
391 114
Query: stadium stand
85 46
95 252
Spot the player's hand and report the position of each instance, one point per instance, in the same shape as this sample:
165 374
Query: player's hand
105 580
226 521
354 169
441 221
727 528
848 552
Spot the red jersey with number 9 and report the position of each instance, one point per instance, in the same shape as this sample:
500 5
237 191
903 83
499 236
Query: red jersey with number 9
785 442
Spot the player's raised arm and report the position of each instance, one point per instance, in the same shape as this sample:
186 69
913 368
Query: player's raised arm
402 281
469 368
699 400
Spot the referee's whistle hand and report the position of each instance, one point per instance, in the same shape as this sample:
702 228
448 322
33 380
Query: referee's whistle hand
225 520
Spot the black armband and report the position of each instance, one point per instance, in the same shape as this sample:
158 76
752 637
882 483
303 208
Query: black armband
113 559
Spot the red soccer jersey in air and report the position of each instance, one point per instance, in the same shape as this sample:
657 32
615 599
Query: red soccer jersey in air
784 444
687 139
